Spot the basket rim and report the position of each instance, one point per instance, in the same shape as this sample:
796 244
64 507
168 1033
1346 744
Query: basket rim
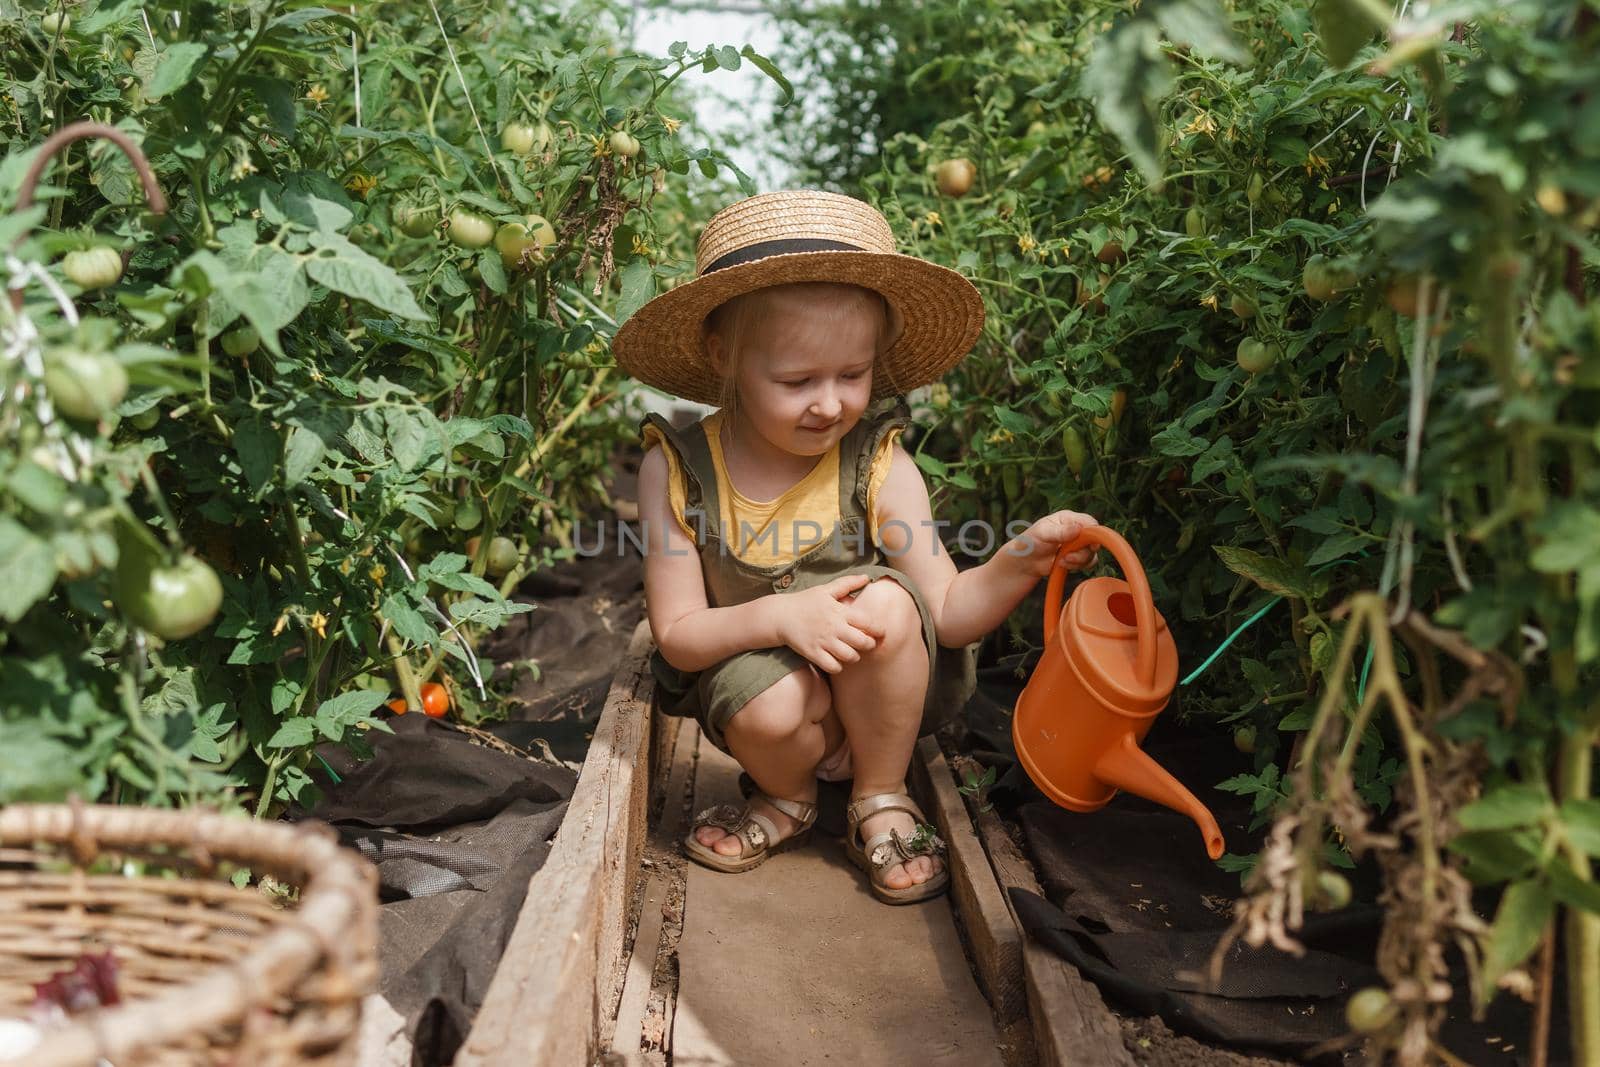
338 900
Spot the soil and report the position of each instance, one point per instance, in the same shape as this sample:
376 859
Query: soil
1153 1045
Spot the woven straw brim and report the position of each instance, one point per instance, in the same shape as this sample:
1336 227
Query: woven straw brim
663 344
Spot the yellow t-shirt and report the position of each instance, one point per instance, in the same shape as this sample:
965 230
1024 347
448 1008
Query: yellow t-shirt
772 530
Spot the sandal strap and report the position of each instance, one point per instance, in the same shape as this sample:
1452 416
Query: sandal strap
754 830
798 810
888 848
866 807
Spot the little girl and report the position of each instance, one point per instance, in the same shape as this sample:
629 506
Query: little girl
804 609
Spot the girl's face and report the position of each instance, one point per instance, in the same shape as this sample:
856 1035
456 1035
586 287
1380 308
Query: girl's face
804 379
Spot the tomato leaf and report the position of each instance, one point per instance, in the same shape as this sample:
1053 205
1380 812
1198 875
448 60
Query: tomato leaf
295 732
344 268
258 447
766 66
337 714
1525 909
638 287
179 63
1127 76
408 622
1202 24
1573 891
1580 819
1507 807
1273 575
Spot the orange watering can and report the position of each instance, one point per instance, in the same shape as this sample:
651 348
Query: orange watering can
1109 667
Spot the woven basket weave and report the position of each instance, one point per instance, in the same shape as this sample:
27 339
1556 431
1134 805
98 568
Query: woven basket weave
208 974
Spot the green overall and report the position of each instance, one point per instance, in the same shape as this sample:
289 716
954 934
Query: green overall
714 695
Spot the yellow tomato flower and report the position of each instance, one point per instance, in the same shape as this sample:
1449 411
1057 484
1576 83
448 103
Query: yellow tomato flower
640 248
671 124
360 185
932 219
1026 243
1201 123
317 94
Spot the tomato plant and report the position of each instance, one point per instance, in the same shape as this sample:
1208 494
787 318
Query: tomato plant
229 496
1347 288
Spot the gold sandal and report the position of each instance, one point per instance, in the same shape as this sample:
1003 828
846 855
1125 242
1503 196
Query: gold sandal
882 851
758 836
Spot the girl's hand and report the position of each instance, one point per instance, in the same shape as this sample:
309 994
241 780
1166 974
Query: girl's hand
822 624
1035 550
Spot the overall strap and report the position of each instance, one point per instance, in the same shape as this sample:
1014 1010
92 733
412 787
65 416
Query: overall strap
697 459
857 450
700 477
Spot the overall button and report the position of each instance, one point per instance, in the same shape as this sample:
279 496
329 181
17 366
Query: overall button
785 582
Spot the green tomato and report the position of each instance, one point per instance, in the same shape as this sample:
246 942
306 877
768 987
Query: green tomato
241 341
93 268
413 220
624 143
146 419
1072 444
1252 189
1243 306
1370 1010
503 556
1333 890
172 602
56 22
468 515
514 240
1244 739
84 385
522 139
469 230
1194 223
1256 356
1323 279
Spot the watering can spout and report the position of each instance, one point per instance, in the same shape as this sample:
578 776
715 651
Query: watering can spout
1125 766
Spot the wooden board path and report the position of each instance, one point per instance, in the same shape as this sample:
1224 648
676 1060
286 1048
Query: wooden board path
563 983
560 974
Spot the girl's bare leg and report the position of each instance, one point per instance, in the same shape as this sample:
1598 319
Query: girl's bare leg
879 700
779 737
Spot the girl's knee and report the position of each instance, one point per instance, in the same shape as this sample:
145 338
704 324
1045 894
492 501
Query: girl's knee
781 709
892 608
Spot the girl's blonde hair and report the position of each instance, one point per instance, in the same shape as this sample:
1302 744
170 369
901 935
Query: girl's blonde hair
735 320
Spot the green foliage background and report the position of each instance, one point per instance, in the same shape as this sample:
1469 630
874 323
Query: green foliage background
1155 185
407 393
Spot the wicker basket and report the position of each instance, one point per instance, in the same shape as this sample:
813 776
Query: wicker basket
208 974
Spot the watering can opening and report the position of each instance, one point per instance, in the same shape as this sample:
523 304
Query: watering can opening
1120 605
1109 669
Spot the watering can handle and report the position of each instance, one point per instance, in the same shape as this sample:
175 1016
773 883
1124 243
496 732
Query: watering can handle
1144 605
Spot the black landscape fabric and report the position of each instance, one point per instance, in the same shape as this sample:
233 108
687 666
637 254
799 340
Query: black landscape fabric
456 830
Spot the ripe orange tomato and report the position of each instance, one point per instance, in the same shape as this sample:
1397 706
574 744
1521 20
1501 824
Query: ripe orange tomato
435 700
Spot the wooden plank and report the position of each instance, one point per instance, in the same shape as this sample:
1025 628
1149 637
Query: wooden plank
670 827
663 750
561 970
641 968
981 908
1071 1024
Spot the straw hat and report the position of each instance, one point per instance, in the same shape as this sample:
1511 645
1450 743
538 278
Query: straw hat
802 235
